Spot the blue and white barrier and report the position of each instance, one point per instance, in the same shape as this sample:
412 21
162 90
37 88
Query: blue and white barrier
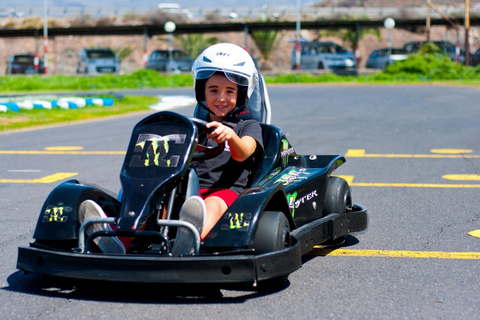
64 103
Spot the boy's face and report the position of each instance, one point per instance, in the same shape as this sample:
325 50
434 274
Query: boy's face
220 96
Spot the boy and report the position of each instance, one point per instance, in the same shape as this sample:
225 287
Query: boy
224 76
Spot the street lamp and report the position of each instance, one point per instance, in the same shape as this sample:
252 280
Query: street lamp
297 42
170 28
45 36
389 24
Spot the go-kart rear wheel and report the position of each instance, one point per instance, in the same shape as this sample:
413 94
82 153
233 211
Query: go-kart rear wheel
338 198
273 233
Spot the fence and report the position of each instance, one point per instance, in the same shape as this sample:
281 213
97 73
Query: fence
233 12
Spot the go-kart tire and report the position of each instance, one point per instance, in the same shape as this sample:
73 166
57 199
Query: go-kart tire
273 233
338 198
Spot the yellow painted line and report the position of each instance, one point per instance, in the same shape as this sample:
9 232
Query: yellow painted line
462 177
457 151
416 185
360 153
78 152
318 251
474 233
64 148
48 179
349 179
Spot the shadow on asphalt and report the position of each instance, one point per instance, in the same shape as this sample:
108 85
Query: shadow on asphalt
136 293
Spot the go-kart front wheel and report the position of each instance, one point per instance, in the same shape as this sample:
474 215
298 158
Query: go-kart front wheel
273 233
338 198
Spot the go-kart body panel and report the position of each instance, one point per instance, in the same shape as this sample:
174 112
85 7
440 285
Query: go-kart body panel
156 178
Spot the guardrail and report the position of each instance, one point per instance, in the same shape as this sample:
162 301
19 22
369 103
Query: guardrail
200 12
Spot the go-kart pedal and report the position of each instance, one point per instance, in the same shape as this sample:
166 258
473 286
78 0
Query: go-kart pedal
193 211
90 210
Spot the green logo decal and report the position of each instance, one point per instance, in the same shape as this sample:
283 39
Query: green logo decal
292 176
237 221
56 214
152 150
291 198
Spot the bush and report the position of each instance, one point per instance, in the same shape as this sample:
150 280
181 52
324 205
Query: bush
431 64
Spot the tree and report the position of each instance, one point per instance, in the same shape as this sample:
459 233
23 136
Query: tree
349 36
193 43
265 41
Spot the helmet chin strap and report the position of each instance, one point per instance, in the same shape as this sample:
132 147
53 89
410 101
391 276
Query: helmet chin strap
232 114
204 106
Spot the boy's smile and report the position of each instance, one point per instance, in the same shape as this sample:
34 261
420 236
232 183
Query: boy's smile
220 96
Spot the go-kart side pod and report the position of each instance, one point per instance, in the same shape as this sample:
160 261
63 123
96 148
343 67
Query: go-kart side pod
57 223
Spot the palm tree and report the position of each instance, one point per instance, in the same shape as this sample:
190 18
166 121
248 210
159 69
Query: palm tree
265 41
194 43
349 37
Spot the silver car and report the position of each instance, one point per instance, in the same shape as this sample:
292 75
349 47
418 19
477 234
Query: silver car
380 59
95 61
324 55
174 61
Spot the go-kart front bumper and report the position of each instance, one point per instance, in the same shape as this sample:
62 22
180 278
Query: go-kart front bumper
242 267
226 269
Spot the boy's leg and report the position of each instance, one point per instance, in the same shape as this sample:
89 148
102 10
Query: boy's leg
216 207
89 210
194 211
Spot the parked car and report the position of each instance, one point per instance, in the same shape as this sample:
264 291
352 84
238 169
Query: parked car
160 60
324 55
380 58
24 63
447 47
94 61
475 58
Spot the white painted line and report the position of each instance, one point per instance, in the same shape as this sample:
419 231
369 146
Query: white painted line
173 102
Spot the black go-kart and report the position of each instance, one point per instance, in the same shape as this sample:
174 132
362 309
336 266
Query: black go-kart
293 203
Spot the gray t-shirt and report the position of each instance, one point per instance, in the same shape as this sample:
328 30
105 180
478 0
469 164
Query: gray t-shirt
222 171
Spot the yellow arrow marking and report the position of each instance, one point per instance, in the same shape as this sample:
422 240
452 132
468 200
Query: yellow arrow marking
474 233
361 153
318 251
349 179
48 179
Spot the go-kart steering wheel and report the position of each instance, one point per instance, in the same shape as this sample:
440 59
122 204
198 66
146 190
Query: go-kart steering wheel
203 152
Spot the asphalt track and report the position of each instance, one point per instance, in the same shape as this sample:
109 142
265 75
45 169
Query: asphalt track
413 158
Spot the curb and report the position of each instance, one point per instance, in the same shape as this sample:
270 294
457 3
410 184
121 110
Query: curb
64 103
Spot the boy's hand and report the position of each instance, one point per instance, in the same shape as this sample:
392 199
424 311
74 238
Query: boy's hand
221 134
240 148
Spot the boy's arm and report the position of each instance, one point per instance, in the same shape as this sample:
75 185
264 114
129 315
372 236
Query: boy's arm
240 148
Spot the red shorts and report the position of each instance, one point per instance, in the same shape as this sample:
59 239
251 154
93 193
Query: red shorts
226 195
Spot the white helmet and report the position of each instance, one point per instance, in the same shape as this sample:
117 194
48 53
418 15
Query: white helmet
231 60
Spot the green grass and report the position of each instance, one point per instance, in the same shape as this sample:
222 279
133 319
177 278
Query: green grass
38 117
138 80
430 65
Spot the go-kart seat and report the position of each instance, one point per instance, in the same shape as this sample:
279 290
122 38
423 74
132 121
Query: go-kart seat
258 109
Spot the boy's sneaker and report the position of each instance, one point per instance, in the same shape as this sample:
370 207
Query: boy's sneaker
90 210
194 211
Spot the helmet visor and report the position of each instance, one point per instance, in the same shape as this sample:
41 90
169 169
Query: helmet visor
236 77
